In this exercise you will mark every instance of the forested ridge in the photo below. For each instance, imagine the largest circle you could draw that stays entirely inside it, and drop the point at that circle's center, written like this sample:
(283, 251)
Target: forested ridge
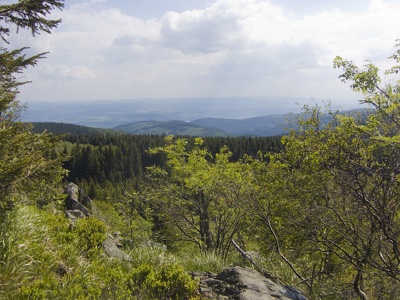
(316, 209)
(101, 159)
(63, 128)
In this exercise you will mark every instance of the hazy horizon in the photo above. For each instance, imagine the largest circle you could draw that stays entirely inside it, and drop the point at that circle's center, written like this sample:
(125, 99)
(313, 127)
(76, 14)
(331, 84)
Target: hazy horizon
(111, 113)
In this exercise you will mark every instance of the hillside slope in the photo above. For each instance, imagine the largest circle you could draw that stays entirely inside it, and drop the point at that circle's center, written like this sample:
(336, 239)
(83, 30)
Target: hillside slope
(258, 126)
(64, 128)
(171, 127)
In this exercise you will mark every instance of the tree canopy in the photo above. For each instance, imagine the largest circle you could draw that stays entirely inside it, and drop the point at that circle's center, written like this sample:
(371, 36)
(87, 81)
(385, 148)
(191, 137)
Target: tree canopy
(331, 202)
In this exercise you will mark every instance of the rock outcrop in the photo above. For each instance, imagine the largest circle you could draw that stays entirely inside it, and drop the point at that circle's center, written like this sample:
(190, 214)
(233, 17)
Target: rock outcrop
(78, 205)
(243, 284)
(76, 202)
(112, 247)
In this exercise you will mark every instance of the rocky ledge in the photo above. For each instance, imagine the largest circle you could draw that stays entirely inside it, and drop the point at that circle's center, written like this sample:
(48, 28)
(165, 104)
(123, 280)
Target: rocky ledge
(243, 284)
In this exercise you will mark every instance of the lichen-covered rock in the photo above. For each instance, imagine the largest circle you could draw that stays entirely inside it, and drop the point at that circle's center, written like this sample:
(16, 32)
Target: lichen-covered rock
(244, 284)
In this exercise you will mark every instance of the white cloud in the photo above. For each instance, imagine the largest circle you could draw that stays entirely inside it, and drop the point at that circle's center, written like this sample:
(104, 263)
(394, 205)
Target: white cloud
(230, 47)
(67, 72)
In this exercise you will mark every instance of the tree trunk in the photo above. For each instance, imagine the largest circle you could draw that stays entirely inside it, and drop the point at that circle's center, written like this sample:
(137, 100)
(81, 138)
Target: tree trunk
(205, 231)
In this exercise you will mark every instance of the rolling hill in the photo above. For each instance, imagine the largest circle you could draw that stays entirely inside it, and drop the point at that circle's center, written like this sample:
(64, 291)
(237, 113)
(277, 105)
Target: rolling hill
(258, 126)
(64, 128)
(270, 125)
(171, 127)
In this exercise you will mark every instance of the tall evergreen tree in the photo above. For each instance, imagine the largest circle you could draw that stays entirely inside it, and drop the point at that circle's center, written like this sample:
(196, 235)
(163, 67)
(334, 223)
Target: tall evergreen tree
(25, 162)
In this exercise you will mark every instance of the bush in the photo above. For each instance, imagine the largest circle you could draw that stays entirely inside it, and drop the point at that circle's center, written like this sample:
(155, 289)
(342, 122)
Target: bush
(91, 233)
(169, 281)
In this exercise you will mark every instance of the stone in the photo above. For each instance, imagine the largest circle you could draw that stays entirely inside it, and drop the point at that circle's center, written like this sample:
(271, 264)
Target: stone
(112, 249)
(74, 195)
(72, 190)
(244, 284)
(76, 204)
(86, 201)
(74, 214)
(63, 270)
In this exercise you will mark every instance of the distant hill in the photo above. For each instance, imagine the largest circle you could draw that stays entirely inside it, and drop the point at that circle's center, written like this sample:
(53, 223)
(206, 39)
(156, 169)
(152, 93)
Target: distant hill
(108, 114)
(271, 125)
(64, 128)
(171, 127)
(260, 126)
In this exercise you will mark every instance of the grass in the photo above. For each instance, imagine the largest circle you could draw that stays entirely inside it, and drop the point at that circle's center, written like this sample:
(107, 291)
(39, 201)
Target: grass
(41, 257)
(26, 249)
(34, 243)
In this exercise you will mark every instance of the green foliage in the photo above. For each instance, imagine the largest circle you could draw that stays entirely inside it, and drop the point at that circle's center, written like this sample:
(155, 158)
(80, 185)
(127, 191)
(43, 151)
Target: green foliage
(123, 217)
(42, 258)
(28, 252)
(168, 281)
(66, 128)
(323, 211)
(99, 279)
(26, 165)
(338, 197)
(202, 196)
(180, 128)
(29, 14)
(330, 201)
(91, 234)
(100, 161)
(203, 261)
(107, 212)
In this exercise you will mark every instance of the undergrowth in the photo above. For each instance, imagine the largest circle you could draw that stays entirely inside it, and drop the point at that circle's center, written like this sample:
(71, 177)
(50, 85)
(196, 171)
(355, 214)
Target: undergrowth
(43, 257)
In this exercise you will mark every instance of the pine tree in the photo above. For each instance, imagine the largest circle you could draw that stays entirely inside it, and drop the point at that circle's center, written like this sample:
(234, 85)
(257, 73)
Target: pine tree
(25, 164)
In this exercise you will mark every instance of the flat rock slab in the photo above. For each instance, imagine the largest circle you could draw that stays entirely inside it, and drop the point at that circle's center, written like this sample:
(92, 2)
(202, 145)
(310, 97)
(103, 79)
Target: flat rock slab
(244, 284)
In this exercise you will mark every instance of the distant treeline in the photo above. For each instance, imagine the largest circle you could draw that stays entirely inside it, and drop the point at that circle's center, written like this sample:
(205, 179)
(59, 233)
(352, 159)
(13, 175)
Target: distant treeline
(62, 128)
(112, 161)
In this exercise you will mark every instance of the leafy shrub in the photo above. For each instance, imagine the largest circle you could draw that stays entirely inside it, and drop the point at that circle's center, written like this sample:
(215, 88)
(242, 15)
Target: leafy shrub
(169, 281)
(99, 278)
(40, 288)
(105, 211)
(91, 233)
(129, 223)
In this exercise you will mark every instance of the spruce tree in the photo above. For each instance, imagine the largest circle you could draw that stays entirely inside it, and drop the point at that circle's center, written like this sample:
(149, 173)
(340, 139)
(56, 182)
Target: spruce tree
(26, 165)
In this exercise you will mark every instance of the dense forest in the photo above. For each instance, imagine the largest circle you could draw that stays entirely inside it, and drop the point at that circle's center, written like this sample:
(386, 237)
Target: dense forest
(97, 161)
(318, 208)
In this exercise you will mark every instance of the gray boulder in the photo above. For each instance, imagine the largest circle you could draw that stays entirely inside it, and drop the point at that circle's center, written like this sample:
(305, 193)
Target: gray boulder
(75, 199)
(74, 214)
(112, 247)
(244, 284)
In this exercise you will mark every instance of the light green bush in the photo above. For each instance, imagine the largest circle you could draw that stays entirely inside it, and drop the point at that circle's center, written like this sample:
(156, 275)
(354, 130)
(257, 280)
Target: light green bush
(169, 281)
(91, 233)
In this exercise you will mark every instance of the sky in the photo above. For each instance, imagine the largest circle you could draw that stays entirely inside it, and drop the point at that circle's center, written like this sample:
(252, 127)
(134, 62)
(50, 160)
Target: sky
(128, 49)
